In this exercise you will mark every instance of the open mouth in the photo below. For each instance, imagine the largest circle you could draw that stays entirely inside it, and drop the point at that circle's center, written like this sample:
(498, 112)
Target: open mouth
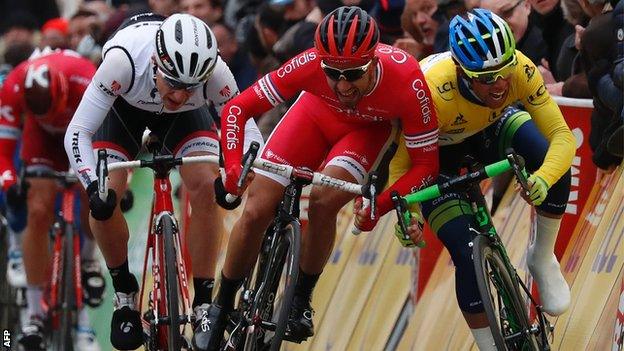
(348, 95)
(497, 96)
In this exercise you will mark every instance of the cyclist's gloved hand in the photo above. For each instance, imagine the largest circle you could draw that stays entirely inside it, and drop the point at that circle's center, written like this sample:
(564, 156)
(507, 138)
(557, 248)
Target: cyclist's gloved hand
(538, 189)
(16, 196)
(414, 231)
(363, 221)
(220, 195)
(101, 210)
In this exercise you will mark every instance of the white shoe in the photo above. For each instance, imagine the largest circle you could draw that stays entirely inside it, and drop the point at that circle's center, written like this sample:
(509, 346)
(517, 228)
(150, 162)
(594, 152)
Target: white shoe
(16, 275)
(553, 289)
(85, 340)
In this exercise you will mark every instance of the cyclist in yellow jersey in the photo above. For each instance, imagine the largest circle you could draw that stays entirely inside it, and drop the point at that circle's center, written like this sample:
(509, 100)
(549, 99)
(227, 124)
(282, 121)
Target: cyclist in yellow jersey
(474, 87)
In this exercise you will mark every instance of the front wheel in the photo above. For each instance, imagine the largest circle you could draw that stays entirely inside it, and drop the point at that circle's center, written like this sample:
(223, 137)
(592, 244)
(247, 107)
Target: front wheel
(276, 277)
(171, 282)
(504, 307)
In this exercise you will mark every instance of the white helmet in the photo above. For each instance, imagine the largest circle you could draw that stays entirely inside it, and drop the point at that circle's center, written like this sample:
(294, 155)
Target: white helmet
(186, 49)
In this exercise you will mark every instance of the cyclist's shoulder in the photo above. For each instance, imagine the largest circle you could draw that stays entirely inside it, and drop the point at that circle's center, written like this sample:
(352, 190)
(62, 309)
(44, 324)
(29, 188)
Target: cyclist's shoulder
(528, 85)
(136, 40)
(441, 76)
(397, 62)
(439, 67)
(526, 72)
(221, 86)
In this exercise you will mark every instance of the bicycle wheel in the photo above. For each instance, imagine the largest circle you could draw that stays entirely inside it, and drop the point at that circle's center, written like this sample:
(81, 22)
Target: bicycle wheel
(62, 339)
(503, 304)
(278, 269)
(171, 281)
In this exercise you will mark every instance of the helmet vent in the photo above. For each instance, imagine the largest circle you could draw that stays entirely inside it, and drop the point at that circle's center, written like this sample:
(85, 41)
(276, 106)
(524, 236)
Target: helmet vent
(194, 58)
(179, 62)
(178, 31)
(204, 68)
(208, 37)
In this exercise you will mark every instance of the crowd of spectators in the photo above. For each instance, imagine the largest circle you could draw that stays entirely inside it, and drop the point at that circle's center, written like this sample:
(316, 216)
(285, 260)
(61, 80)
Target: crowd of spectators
(577, 44)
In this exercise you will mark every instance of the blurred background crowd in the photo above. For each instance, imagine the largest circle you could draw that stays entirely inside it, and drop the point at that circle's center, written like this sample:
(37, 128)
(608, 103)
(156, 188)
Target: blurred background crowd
(577, 44)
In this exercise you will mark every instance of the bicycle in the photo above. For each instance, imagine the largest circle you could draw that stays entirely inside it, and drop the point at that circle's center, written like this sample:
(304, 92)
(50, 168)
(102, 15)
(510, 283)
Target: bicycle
(260, 320)
(502, 290)
(65, 289)
(165, 319)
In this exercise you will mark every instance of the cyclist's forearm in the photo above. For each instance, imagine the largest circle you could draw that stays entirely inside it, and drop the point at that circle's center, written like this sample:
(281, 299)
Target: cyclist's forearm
(78, 144)
(562, 144)
(234, 117)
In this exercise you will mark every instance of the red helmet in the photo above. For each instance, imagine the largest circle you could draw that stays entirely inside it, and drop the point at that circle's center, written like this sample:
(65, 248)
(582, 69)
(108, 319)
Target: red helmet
(45, 88)
(347, 33)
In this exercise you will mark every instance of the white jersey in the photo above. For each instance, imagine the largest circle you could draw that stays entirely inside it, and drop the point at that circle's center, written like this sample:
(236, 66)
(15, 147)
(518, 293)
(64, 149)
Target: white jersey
(128, 72)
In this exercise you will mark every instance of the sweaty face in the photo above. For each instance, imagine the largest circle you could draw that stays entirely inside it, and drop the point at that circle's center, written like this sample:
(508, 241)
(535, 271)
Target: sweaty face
(172, 98)
(351, 92)
(492, 95)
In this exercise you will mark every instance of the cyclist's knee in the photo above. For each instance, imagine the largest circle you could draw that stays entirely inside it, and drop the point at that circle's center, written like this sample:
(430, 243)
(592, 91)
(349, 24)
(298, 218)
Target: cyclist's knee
(326, 202)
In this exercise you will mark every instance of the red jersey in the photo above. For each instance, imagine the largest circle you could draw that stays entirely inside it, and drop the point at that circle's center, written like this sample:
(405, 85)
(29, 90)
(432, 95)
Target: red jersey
(400, 93)
(78, 72)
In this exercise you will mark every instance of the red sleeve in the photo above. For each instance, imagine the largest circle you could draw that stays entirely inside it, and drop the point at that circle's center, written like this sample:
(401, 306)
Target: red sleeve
(420, 129)
(269, 91)
(10, 124)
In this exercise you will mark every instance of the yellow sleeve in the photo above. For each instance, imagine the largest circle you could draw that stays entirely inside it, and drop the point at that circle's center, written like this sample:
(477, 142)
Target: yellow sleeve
(549, 120)
(400, 163)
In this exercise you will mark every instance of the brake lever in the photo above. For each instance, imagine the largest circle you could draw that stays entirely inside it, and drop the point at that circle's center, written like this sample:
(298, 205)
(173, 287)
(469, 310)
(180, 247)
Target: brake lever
(371, 195)
(403, 215)
(102, 173)
(517, 164)
(248, 160)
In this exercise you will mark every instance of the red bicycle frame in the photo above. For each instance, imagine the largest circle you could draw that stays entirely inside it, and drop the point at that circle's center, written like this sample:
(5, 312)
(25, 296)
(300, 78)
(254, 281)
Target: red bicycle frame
(163, 205)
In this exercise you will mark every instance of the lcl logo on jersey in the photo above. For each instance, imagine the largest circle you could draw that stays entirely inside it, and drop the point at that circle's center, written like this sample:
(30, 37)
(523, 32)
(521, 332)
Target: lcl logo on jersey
(37, 74)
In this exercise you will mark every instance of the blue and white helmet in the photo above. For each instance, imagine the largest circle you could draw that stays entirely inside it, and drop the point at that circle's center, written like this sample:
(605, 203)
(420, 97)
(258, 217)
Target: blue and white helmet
(481, 41)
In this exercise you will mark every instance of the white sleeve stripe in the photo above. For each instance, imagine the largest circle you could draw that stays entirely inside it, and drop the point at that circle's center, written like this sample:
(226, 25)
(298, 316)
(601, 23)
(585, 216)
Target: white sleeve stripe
(7, 132)
(269, 91)
(273, 89)
(418, 144)
(421, 136)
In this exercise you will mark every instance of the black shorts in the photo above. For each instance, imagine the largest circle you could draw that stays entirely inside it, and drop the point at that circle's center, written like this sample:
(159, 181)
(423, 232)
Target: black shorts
(180, 133)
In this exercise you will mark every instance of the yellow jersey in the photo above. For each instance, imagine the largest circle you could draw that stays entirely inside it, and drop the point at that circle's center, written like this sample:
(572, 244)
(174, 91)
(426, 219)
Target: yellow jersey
(460, 117)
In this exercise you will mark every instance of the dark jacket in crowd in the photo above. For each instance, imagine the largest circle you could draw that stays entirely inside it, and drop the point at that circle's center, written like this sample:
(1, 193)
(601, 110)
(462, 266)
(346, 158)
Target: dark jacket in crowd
(555, 30)
(599, 53)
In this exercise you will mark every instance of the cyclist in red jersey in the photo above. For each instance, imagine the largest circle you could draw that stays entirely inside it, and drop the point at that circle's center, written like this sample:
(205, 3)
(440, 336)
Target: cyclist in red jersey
(351, 90)
(45, 90)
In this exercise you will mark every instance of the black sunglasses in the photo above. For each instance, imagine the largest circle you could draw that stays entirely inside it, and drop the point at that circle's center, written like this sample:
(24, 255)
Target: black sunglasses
(176, 85)
(349, 74)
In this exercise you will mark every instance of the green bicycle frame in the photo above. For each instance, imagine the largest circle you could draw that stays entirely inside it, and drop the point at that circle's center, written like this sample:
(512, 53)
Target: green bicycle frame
(469, 183)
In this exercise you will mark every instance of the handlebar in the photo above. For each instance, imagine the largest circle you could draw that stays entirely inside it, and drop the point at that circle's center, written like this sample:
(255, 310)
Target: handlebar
(512, 162)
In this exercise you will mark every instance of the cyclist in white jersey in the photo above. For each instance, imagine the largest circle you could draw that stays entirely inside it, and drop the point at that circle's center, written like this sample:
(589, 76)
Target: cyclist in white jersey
(163, 74)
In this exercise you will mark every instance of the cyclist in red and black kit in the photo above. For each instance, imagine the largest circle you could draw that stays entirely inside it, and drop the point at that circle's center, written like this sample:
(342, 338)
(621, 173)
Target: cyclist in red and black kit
(45, 90)
(351, 90)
